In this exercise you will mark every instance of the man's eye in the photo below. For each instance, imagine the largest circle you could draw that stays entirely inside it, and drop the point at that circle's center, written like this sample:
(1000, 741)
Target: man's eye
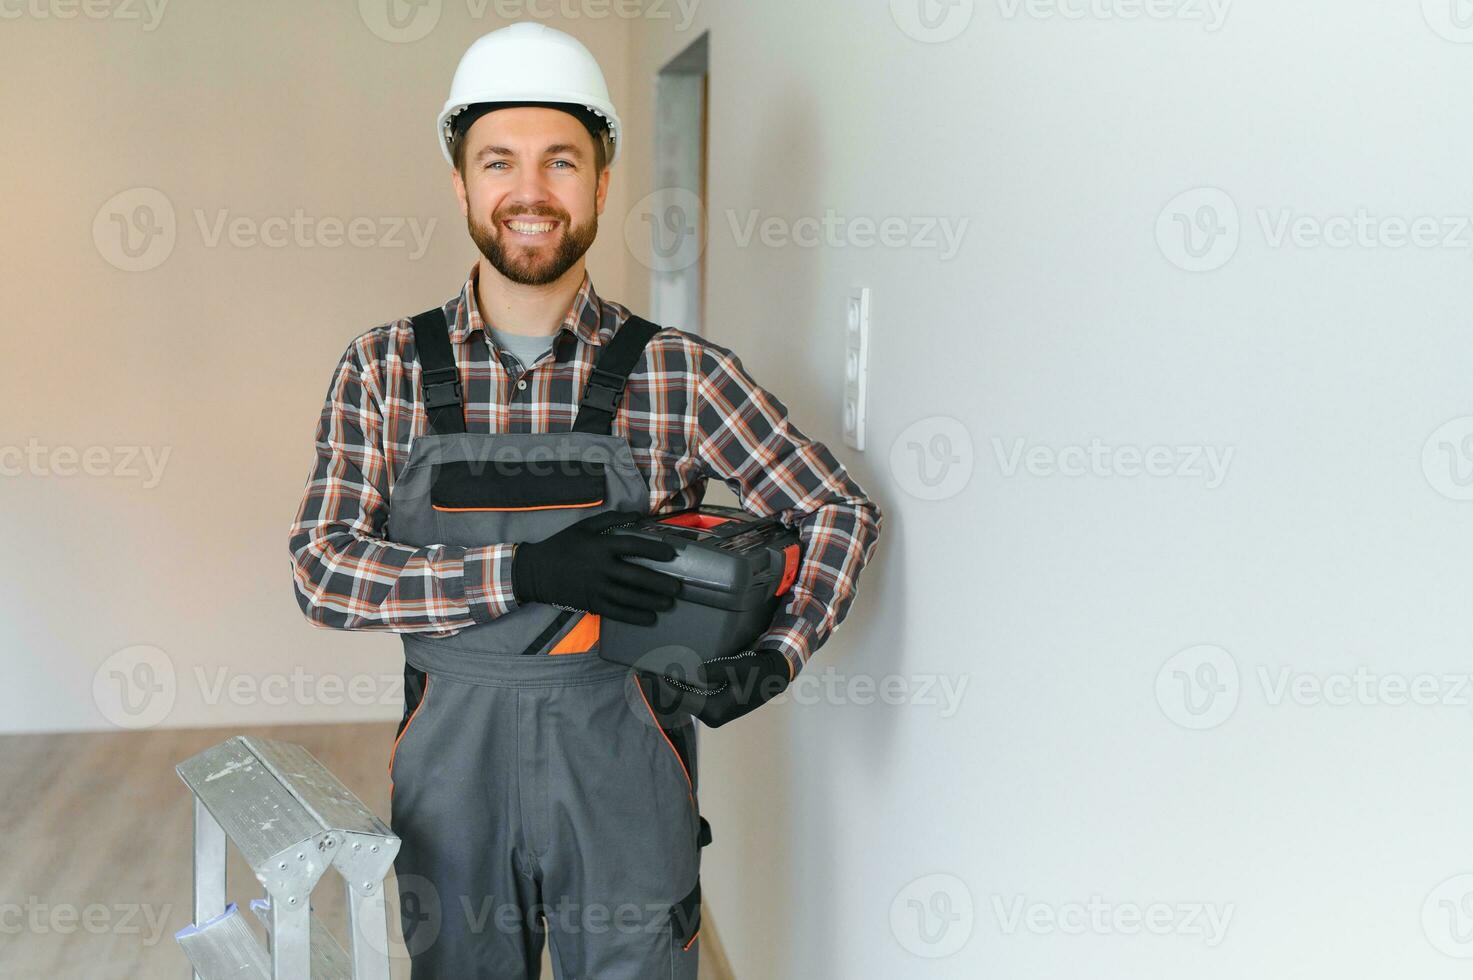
(568, 162)
(495, 163)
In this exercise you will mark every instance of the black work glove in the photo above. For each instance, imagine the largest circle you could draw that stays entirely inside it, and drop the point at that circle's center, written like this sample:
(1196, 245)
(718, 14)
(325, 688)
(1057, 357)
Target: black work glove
(732, 686)
(582, 567)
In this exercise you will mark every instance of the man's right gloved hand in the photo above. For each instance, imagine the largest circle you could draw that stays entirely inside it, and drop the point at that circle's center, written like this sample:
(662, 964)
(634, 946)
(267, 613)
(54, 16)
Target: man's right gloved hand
(583, 567)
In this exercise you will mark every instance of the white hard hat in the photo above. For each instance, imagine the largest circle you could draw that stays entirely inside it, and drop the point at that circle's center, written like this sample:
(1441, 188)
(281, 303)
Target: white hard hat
(528, 62)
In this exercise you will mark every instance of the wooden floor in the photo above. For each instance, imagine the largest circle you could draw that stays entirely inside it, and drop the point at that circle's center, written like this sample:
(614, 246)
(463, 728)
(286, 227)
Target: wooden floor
(95, 854)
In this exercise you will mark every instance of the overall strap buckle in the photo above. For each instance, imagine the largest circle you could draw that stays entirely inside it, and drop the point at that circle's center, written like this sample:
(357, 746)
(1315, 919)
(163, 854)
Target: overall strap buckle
(604, 390)
(439, 378)
(441, 388)
(610, 374)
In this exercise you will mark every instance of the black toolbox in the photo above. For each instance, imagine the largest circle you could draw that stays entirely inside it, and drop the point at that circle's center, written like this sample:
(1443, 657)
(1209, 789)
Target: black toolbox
(734, 569)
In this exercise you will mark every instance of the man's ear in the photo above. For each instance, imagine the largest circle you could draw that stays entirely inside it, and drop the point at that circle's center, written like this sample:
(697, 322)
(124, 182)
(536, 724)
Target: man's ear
(603, 190)
(459, 183)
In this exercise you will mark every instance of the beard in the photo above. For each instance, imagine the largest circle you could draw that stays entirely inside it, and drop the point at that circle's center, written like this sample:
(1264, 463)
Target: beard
(529, 265)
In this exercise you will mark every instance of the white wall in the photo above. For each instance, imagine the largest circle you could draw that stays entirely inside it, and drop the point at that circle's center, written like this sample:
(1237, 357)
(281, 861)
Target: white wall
(1321, 830)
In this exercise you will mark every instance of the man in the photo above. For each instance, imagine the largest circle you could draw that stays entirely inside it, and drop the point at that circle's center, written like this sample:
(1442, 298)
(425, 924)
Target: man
(473, 466)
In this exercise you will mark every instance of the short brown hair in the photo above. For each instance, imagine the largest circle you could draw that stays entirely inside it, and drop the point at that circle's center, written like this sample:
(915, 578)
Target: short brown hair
(597, 126)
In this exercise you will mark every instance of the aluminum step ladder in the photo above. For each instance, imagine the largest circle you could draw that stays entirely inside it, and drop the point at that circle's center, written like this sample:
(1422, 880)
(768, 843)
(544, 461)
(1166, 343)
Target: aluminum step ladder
(291, 819)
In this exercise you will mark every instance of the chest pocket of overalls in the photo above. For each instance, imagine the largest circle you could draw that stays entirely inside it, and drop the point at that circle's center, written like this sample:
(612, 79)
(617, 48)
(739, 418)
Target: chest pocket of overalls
(476, 489)
(508, 486)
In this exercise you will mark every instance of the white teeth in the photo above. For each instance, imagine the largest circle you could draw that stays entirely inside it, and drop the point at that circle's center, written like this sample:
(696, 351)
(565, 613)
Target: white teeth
(531, 228)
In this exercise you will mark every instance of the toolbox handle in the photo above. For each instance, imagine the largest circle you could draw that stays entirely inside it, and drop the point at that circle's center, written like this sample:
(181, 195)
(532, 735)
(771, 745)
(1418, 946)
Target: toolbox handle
(729, 528)
(732, 528)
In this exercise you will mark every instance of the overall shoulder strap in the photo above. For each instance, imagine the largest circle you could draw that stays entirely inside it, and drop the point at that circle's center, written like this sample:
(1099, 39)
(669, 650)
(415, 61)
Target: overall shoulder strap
(610, 372)
(439, 379)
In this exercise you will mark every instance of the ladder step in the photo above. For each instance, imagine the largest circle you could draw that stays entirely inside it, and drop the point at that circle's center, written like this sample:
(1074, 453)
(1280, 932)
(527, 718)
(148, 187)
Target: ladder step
(224, 948)
(329, 960)
(272, 796)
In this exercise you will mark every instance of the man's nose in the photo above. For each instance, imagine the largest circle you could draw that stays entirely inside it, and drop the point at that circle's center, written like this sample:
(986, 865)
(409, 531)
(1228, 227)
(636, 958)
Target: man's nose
(531, 187)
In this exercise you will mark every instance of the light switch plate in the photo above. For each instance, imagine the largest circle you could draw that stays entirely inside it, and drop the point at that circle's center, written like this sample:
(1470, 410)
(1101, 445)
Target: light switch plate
(856, 365)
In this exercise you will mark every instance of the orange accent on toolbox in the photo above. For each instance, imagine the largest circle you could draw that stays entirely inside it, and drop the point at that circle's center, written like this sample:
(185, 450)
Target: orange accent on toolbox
(579, 639)
(462, 510)
(701, 522)
(424, 696)
(790, 569)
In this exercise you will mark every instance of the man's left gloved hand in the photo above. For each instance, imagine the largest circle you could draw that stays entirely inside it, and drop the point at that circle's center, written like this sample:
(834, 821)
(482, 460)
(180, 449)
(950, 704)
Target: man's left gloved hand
(729, 687)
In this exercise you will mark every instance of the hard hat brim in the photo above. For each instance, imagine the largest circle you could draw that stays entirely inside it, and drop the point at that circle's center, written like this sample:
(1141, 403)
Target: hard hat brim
(529, 95)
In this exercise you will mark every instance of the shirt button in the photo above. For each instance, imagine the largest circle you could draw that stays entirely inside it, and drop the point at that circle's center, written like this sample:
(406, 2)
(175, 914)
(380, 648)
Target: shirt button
(522, 385)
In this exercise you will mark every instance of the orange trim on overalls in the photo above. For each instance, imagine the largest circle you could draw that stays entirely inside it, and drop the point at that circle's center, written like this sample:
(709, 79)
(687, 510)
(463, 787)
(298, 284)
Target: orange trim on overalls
(659, 728)
(425, 696)
(579, 639)
(464, 510)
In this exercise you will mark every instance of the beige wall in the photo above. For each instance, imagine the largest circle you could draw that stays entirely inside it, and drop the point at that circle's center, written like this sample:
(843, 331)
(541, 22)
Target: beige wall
(219, 354)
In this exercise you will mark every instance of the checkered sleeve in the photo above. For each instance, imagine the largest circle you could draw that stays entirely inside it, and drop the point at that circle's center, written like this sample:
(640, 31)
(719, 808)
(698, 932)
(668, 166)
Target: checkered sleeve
(747, 441)
(347, 575)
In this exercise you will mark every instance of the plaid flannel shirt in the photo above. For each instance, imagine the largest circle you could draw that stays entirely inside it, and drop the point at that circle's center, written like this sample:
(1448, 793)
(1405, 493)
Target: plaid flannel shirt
(690, 412)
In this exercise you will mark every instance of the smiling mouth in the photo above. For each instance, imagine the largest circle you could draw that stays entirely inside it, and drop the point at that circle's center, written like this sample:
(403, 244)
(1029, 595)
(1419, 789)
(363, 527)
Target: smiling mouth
(530, 227)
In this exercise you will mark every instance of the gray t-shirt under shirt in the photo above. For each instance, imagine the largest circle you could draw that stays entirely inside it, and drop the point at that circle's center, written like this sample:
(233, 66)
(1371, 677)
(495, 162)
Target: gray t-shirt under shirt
(521, 346)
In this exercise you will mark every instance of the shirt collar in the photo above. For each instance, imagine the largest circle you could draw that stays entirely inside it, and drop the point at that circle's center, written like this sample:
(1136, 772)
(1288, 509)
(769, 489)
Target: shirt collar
(584, 318)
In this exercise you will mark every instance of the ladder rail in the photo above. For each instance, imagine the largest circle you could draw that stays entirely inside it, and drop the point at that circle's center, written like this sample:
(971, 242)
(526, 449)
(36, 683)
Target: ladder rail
(291, 819)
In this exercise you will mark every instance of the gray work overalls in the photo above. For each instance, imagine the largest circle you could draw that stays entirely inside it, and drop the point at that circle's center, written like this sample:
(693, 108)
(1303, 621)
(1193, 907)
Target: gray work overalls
(538, 793)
